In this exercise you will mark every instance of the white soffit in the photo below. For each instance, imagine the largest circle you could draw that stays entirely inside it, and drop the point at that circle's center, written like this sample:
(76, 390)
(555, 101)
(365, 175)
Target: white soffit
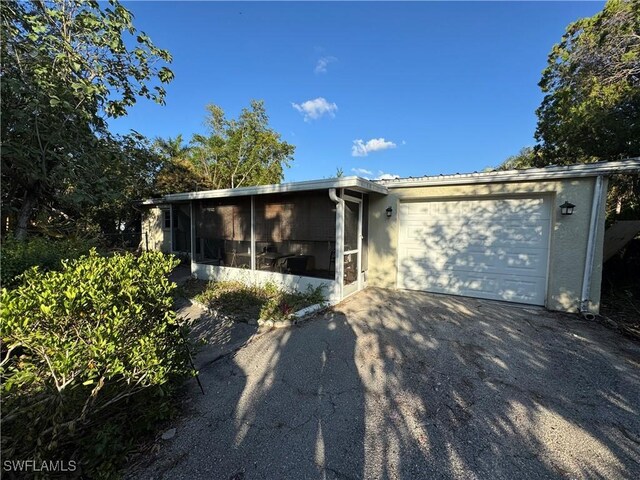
(354, 183)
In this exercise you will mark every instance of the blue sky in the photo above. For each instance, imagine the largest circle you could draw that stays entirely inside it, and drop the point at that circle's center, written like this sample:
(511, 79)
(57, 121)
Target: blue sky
(406, 89)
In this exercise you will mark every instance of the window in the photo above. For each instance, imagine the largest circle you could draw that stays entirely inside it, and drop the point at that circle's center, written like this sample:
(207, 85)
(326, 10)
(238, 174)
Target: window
(166, 219)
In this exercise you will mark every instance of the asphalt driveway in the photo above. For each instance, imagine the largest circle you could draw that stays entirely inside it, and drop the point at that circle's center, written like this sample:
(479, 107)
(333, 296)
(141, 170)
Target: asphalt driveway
(397, 384)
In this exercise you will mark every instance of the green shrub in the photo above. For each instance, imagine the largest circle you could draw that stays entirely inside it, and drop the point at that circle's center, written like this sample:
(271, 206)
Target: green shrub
(90, 357)
(19, 256)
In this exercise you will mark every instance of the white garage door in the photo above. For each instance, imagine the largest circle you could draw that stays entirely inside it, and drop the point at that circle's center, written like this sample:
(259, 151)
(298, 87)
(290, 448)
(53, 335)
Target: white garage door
(493, 248)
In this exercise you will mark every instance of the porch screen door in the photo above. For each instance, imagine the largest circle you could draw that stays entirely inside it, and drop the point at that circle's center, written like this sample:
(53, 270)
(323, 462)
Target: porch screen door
(352, 245)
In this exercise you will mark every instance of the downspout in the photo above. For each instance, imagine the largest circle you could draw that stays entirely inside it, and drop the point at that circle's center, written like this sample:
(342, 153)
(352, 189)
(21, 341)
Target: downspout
(591, 250)
(339, 267)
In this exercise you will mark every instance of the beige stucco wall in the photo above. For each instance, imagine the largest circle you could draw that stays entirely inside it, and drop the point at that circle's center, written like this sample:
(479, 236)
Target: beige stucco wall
(157, 237)
(569, 234)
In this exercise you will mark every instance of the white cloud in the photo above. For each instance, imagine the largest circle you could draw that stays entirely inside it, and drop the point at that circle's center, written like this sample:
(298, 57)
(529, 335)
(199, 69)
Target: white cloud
(362, 149)
(368, 174)
(363, 172)
(316, 108)
(323, 63)
(386, 176)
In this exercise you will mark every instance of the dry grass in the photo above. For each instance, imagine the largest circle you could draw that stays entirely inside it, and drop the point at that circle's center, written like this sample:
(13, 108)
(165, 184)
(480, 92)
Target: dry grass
(248, 303)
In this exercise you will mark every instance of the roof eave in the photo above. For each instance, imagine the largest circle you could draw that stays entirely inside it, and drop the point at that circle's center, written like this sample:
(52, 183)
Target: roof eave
(533, 174)
(354, 183)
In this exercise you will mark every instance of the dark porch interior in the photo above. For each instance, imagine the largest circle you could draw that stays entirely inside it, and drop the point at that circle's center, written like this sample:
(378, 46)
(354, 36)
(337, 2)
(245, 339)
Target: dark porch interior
(294, 233)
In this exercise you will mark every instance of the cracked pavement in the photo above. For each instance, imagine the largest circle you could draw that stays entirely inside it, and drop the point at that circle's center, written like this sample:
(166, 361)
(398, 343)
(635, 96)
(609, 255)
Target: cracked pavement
(398, 384)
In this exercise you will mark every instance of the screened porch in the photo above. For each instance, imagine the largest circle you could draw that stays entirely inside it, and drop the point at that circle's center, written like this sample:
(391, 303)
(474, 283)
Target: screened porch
(282, 233)
(299, 235)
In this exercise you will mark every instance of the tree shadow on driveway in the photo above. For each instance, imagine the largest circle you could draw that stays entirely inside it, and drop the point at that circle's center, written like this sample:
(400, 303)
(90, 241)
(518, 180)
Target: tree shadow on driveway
(287, 405)
(467, 388)
(399, 384)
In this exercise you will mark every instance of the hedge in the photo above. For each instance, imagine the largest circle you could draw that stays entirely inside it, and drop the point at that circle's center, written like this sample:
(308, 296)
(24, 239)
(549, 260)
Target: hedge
(46, 253)
(90, 358)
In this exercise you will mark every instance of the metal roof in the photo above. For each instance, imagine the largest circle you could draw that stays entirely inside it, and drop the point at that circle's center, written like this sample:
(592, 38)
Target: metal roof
(631, 165)
(353, 183)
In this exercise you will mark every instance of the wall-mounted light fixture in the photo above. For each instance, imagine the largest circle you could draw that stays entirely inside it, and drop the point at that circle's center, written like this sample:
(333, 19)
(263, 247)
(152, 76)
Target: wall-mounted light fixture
(567, 208)
(389, 212)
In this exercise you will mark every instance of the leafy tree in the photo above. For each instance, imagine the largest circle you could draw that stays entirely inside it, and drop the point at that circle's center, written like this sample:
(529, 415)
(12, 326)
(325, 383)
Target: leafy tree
(178, 172)
(623, 200)
(525, 158)
(242, 152)
(591, 108)
(592, 89)
(180, 175)
(233, 153)
(171, 148)
(102, 199)
(67, 66)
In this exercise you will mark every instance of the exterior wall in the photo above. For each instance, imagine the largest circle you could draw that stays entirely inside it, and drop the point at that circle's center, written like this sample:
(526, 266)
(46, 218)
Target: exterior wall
(569, 234)
(258, 277)
(153, 232)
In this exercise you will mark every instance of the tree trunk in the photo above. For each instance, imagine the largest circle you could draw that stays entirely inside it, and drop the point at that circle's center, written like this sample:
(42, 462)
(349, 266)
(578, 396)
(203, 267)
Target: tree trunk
(28, 205)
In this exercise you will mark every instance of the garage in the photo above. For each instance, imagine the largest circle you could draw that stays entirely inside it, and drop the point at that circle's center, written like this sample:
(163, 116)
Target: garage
(494, 248)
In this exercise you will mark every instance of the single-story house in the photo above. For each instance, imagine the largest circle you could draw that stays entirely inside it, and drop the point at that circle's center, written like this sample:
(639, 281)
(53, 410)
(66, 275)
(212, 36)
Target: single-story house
(531, 236)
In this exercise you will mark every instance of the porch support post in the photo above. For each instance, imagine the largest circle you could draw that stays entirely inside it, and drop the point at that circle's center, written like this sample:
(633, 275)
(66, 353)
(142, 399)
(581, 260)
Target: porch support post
(171, 228)
(192, 217)
(253, 233)
(339, 268)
